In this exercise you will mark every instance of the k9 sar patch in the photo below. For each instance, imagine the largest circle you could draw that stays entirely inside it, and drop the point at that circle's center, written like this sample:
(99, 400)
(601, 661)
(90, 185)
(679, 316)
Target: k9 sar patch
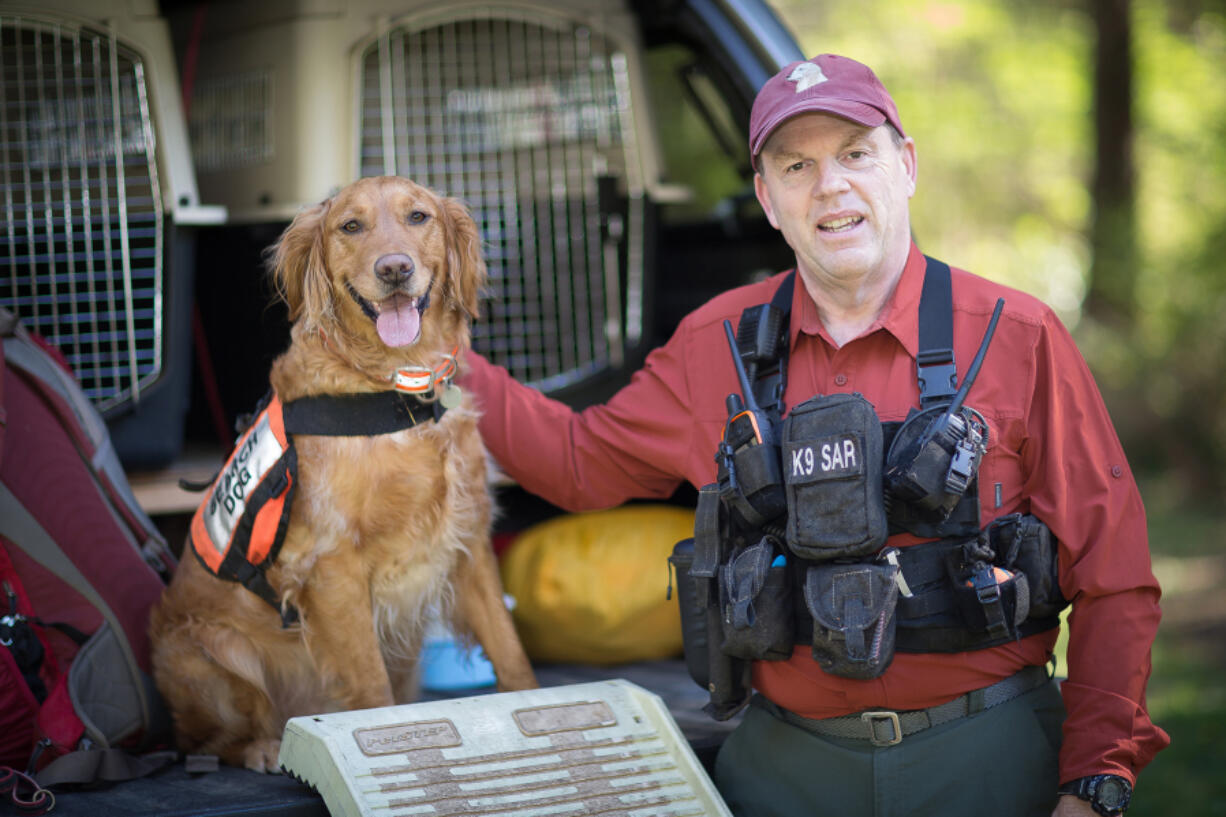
(839, 456)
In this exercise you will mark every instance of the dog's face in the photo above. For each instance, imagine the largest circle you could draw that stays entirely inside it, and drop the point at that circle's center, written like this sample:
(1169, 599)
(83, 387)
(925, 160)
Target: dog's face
(376, 257)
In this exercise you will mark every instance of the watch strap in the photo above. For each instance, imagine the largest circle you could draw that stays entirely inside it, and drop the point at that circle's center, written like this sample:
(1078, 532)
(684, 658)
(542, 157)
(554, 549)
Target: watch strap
(1078, 788)
(1088, 789)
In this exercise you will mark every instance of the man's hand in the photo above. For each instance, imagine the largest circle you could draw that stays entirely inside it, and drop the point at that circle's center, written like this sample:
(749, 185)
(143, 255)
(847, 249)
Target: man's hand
(1072, 806)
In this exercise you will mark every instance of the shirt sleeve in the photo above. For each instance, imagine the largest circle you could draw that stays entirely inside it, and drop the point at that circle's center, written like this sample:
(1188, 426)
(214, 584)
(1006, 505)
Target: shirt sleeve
(1079, 483)
(633, 446)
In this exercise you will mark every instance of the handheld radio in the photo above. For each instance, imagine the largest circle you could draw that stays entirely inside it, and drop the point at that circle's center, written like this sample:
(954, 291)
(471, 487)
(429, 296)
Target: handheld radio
(750, 476)
(931, 466)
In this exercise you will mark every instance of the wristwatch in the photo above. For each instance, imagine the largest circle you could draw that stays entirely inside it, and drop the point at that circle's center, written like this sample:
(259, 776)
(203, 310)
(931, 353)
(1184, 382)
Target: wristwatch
(1108, 794)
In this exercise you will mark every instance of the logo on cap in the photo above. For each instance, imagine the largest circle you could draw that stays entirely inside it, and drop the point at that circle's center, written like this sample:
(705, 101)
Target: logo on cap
(806, 75)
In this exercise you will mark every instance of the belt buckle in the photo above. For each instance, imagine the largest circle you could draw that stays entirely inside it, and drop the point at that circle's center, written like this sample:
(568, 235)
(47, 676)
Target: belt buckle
(871, 718)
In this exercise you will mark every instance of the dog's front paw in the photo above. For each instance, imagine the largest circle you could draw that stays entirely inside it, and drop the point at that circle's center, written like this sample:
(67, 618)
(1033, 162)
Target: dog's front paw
(261, 756)
(517, 680)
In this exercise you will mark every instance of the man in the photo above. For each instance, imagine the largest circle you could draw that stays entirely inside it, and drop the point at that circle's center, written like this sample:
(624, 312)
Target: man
(835, 172)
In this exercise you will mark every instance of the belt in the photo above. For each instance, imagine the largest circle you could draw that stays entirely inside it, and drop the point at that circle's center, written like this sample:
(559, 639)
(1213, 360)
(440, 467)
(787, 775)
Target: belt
(887, 727)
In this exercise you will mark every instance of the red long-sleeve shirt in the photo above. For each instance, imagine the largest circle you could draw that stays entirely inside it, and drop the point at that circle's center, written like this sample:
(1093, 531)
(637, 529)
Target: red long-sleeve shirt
(1052, 452)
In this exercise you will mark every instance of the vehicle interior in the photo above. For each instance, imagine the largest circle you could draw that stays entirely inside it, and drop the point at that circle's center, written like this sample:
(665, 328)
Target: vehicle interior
(151, 152)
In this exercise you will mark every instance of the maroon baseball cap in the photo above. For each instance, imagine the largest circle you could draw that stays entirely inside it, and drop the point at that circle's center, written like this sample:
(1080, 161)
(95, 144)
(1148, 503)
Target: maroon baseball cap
(825, 84)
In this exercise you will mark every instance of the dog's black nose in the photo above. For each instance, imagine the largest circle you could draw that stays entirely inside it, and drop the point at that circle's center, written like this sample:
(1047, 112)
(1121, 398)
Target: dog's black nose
(394, 268)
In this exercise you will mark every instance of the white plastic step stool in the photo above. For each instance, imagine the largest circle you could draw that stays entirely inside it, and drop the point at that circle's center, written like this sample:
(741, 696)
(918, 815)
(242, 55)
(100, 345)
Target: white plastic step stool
(605, 748)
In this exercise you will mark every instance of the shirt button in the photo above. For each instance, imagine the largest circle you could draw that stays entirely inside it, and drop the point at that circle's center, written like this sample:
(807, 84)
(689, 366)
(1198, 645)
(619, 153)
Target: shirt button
(840, 380)
(1117, 471)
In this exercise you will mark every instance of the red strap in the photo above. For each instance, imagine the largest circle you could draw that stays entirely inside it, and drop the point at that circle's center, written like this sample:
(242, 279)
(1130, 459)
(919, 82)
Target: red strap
(24, 792)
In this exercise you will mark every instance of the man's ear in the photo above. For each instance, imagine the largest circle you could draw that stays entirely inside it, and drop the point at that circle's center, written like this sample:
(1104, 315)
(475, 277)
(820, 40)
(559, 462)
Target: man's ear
(911, 163)
(759, 189)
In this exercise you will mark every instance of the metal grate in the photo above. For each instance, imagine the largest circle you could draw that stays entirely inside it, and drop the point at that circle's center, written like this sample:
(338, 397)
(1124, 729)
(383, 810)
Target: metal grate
(231, 122)
(529, 121)
(81, 246)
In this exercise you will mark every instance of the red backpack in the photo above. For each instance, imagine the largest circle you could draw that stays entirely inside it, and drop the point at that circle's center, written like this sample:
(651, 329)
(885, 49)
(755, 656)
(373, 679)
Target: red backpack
(80, 567)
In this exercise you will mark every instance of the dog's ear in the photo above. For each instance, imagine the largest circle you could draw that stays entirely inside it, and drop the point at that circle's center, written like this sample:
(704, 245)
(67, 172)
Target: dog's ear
(466, 274)
(296, 265)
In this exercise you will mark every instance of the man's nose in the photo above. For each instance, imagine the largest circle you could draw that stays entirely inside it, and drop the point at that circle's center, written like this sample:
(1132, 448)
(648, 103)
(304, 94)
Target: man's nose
(831, 178)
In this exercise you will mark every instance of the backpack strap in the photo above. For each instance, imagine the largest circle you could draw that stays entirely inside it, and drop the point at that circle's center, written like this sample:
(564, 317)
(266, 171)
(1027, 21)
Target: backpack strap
(24, 792)
(102, 765)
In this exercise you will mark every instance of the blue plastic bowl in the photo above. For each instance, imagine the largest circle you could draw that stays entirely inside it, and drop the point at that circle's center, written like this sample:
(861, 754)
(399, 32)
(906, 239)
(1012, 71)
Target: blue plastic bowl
(447, 664)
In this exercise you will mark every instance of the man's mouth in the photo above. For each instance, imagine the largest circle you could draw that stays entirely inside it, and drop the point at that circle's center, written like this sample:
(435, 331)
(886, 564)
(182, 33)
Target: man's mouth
(840, 225)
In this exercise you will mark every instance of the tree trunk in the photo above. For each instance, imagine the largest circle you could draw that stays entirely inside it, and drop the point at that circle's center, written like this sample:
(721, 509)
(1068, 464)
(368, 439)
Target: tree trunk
(1111, 296)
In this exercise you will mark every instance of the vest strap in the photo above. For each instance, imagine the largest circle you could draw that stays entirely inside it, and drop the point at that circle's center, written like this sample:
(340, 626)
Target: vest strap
(358, 415)
(935, 369)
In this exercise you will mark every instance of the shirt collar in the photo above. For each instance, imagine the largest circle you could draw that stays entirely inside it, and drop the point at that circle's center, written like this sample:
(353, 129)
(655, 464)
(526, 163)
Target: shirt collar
(900, 317)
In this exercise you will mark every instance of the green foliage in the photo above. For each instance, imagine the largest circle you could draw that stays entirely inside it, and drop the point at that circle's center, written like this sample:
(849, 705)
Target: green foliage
(1187, 699)
(1187, 696)
(997, 95)
(1181, 146)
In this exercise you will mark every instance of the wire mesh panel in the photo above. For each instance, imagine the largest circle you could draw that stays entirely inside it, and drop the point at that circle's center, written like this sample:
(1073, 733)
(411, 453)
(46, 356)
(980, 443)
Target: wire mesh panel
(81, 243)
(529, 122)
(231, 122)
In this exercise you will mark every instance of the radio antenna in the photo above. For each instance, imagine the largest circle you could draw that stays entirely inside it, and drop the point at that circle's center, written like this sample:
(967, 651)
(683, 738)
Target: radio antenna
(973, 371)
(750, 401)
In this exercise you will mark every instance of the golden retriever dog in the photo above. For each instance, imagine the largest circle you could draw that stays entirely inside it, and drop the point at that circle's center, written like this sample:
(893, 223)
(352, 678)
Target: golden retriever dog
(383, 529)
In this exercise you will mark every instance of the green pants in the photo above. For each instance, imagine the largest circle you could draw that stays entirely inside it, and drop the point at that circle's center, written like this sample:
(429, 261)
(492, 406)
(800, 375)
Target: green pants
(999, 761)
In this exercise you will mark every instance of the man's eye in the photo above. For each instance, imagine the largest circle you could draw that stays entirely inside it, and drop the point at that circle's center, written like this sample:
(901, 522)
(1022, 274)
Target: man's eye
(796, 167)
(417, 217)
(351, 226)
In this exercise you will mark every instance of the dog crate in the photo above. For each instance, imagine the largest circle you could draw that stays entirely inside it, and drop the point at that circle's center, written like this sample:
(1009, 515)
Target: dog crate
(96, 187)
(529, 118)
(532, 114)
(539, 114)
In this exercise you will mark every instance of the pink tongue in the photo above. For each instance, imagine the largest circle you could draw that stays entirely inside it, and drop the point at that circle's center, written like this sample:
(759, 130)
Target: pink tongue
(399, 322)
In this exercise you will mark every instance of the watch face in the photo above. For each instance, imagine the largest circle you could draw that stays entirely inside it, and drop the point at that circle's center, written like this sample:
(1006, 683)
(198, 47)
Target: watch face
(1112, 793)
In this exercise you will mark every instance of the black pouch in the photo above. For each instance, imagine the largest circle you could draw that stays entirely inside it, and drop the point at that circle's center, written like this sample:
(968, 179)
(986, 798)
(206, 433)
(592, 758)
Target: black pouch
(693, 614)
(697, 568)
(726, 679)
(729, 681)
(993, 600)
(753, 487)
(710, 537)
(853, 608)
(832, 469)
(1022, 542)
(755, 594)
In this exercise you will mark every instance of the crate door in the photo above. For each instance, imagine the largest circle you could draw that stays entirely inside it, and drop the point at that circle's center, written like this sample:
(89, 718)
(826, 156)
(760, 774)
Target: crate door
(81, 239)
(531, 123)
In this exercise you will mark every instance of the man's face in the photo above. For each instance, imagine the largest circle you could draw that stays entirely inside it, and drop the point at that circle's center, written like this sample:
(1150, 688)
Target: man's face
(839, 194)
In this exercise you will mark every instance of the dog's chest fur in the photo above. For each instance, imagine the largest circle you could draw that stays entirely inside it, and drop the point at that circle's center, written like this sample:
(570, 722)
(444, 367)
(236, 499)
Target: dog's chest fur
(407, 505)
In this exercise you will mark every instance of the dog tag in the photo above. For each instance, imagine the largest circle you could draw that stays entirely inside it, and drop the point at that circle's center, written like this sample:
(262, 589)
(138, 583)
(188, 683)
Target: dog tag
(451, 396)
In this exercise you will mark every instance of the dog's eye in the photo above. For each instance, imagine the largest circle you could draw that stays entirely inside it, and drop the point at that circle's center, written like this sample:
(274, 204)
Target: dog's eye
(417, 217)
(351, 226)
